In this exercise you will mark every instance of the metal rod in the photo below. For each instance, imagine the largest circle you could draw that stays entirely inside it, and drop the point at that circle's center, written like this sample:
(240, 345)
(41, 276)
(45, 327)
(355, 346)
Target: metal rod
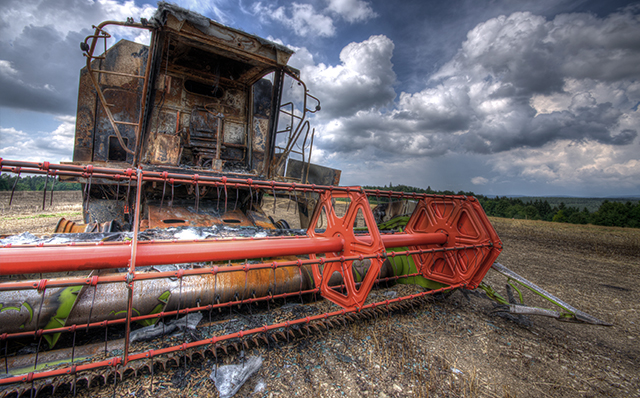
(132, 265)
(22, 260)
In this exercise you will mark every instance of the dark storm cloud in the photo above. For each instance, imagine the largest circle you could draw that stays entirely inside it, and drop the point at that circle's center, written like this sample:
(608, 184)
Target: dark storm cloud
(41, 70)
(40, 57)
(484, 99)
(595, 123)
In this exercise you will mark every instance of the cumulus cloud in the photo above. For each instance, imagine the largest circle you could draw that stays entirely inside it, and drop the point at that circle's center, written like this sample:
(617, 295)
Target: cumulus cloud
(510, 63)
(352, 10)
(24, 86)
(479, 180)
(301, 18)
(572, 165)
(362, 81)
(540, 99)
(306, 20)
(64, 16)
(56, 145)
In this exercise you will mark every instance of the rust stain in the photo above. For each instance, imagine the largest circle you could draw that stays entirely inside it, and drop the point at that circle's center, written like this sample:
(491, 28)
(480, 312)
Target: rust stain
(187, 217)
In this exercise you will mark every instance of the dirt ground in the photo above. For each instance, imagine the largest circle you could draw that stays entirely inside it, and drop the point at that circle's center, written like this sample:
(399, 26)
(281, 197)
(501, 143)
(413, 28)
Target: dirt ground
(457, 345)
(26, 214)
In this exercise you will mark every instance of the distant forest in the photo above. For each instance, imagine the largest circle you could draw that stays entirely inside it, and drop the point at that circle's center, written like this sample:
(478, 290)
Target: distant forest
(613, 212)
(35, 183)
(607, 212)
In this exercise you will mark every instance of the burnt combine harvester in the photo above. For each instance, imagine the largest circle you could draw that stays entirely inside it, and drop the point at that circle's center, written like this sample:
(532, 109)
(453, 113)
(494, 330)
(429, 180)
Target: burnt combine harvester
(180, 146)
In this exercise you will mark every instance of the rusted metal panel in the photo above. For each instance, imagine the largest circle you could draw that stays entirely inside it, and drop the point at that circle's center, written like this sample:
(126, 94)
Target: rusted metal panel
(259, 142)
(318, 175)
(95, 136)
(257, 162)
(260, 219)
(260, 134)
(166, 121)
(235, 103)
(173, 89)
(233, 154)
(85, 119)
(185, 216)
(125, 57)
(165, 149)
(232, 104)
(203, 131)
(235, 41)
(234, 133)
(126, 108)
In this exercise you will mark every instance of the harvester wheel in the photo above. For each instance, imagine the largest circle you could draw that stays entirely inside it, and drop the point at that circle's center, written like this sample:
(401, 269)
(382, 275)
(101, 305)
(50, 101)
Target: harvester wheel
(354, 246)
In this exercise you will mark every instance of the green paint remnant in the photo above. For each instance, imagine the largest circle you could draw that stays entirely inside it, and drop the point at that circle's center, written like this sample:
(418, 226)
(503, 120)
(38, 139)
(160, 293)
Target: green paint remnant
(403, 265)
(18, 309)
(9, 308)
(43, 365)
(67, 300)
(164, 300)
(28, 307)
(358, 276)
(124, 312)
(492, 294)
(513, 285)
(396, 223)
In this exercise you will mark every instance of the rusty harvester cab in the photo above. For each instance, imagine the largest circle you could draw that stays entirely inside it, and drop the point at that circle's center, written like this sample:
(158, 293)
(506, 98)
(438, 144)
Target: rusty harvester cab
(202, 99)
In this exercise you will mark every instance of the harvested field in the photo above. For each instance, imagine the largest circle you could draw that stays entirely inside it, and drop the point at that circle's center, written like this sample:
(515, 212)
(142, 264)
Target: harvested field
(26, 214)
(456, 345)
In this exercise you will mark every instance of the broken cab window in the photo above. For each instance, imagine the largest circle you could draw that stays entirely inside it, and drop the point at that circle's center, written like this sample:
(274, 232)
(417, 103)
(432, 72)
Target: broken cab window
(207, 89)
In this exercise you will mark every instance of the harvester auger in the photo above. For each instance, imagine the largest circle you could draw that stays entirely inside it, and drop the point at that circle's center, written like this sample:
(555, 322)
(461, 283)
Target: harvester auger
(179, 145)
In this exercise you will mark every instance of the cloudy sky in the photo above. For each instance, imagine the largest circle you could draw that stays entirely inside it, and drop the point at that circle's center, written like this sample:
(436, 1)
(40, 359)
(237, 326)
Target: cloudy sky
(501, 97)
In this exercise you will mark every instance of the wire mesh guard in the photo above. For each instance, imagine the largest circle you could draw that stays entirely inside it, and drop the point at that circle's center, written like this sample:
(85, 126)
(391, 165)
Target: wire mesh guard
(448, 237)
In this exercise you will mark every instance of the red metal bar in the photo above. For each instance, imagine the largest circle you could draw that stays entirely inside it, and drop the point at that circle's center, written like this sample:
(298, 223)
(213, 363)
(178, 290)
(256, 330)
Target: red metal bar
(19, 260)
(27, 260)
(132, 263)
(403, 240)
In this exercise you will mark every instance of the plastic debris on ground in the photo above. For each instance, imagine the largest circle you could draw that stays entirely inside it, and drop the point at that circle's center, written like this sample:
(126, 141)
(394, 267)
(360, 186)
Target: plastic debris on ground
(159, 329)
(260, 386)
(229, 378)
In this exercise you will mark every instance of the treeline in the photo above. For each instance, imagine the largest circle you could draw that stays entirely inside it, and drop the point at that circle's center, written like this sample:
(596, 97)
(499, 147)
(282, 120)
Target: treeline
(35, 183)
(609, 213)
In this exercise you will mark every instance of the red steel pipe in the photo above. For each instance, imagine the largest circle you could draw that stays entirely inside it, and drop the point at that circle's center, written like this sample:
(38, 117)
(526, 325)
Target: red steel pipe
(403, 240)
(28, 260)
(18, 260)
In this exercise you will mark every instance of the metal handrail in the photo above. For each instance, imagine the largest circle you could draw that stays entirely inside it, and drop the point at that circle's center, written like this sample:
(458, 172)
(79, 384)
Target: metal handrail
(89, 49)
(302, 123)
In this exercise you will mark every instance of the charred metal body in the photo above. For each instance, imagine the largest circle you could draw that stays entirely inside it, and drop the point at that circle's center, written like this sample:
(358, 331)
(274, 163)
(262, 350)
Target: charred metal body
(201, 99)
